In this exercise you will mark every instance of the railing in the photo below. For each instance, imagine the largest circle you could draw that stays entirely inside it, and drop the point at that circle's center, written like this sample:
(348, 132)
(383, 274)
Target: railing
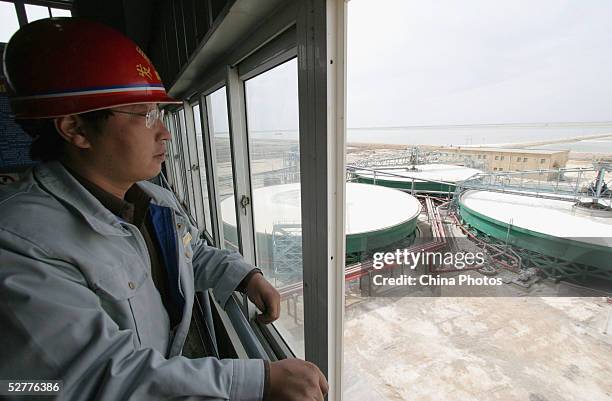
(376, 174)
(568, 184)
(415, 156)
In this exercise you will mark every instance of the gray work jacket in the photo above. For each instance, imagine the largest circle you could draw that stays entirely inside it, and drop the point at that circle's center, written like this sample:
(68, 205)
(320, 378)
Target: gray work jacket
(78, 304)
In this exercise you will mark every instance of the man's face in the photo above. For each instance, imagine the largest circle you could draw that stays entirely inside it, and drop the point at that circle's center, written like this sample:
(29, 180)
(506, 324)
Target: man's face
(126, 149)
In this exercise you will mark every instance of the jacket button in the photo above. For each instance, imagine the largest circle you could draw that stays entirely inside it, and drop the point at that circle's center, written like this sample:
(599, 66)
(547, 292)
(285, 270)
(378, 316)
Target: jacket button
(131, 285)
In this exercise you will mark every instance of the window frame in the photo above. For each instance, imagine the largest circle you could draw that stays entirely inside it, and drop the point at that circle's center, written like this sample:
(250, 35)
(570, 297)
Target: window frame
(320, 34)
(194, 167)
(322, 93)
(177, 158)
(205, 164)
(260, 64)
(210, 159)
(169, 165)
(186, 156)
(219, 216)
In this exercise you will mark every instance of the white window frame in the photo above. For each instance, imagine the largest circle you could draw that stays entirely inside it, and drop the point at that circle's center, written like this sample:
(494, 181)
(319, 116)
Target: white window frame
(213, 160)
(207, 164)
(236, 108)
(186, 153)
(176, 157)
(169, 155)
(211, 157)
(194, 167)
(321, 36)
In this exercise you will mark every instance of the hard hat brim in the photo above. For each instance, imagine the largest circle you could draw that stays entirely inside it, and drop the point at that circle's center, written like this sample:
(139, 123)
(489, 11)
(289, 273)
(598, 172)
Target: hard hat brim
(60, 105)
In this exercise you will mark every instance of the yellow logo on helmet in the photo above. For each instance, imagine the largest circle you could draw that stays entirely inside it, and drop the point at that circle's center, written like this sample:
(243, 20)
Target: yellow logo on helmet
(144, 71)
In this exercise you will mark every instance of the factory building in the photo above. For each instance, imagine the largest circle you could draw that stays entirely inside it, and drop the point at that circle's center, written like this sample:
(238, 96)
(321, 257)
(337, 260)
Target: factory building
(507, 159)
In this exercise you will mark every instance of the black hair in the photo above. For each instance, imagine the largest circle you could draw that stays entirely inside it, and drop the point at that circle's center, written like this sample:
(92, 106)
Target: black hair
(47, 144)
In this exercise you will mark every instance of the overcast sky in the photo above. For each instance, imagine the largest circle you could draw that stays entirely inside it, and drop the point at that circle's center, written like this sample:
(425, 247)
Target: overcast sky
(478, 61)
(434, 62)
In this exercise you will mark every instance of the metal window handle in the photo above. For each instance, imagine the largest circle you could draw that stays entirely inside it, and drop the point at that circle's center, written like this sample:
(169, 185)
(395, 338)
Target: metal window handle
(244, 202)
(195, 167)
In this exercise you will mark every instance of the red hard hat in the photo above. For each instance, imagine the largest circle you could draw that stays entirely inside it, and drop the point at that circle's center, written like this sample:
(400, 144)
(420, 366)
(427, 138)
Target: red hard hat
(60, 66)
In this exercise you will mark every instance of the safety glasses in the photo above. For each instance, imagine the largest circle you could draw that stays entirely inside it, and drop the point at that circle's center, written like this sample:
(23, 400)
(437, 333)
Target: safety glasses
(150, 116)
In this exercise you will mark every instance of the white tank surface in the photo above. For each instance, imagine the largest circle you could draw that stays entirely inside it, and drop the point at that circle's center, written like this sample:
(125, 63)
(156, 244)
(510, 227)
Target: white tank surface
(374, 214)
(438, 172)
(546, 216)
(551, 227)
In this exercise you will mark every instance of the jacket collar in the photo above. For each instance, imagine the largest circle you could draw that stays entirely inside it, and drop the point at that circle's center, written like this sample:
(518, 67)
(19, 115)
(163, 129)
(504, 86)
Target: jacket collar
(54, 177)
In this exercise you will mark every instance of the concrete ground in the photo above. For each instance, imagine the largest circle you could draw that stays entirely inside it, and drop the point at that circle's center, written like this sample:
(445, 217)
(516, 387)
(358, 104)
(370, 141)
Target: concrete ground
(447, 349)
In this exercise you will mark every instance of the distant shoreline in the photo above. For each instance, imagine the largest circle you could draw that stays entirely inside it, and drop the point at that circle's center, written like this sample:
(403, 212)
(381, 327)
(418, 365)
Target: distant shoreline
(493, 125)
(353, 147)
(541, 143)
(516, 145)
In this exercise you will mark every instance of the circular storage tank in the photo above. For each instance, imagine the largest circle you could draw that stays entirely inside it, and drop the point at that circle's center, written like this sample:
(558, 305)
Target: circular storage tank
(375, 217)
(551, 227)
(418, 173)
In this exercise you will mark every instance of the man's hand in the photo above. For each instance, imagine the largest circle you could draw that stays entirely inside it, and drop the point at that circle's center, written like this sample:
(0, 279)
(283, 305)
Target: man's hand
(265, 297)
(296, 380)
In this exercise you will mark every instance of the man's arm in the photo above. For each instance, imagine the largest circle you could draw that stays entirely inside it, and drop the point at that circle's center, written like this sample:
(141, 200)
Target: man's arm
(53, 327)
(226, 271)
(219, 269)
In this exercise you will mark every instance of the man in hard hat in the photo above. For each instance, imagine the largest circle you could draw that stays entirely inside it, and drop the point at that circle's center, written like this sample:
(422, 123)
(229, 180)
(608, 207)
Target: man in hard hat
(98, 267)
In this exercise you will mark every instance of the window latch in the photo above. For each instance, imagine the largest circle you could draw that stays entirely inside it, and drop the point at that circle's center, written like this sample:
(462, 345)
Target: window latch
(244, 202)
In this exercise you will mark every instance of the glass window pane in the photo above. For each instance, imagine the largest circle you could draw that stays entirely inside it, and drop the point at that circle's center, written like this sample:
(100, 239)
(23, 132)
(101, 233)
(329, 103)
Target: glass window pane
(202, 163)
(219, 128)
(527, 81)
(177, 160)
(58, 12)
(9, 24)
(169, 167)
(274, 153)
(194, 174)
(180, 163)
(187, 161)
(169, 154)
(36, 12)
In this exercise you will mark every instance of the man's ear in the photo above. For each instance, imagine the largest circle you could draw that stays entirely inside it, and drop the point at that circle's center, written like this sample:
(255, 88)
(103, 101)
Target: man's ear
(71, 129)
